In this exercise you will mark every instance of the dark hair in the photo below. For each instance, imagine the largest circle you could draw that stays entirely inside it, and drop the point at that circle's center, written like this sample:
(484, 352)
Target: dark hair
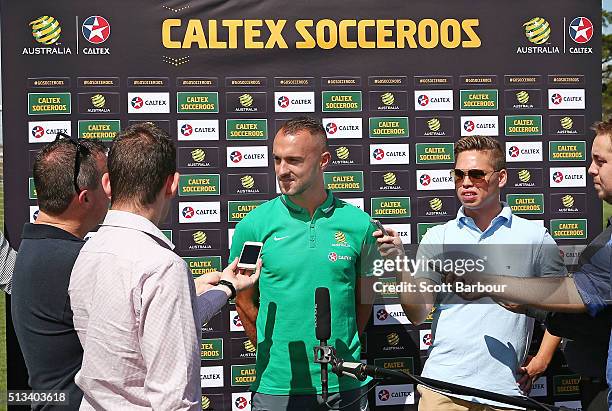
(314, 127)
(139, 162)
(483, 143)
(603, 128)
(53, 173)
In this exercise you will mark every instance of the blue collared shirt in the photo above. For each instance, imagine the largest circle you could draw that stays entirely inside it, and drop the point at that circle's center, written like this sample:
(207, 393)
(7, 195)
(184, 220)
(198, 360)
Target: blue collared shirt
(593, 281)
(482, 345)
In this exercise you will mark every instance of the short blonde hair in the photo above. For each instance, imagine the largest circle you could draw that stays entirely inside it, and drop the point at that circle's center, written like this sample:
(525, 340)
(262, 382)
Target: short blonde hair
(483, 143)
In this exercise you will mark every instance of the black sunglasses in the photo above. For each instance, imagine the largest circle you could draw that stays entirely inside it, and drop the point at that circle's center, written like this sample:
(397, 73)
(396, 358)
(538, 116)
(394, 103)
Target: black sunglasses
(81, 150)
(475, 174)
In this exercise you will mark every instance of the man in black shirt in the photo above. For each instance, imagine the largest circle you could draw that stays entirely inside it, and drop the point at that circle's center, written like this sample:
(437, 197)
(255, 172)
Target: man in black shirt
(72, 202)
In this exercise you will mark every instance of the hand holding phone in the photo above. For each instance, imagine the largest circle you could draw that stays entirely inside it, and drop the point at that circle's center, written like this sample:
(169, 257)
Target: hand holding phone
(388, 243)
(251, 251)
(379, 225)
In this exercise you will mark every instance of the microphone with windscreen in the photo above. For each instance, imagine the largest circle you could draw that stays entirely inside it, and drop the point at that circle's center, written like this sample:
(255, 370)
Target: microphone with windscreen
(323, 333)
(322, 314)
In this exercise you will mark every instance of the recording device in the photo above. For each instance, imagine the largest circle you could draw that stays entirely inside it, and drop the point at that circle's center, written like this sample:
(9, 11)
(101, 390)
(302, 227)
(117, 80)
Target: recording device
(324, 355)
(323, 333)
(379, 225)
(249, 255)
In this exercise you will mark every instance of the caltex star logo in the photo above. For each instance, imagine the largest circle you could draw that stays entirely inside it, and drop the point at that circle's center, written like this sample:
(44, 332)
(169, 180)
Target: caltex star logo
(557, 177)
(331, 128)
(423, 100)
(96, 29)
(469, 126)
(237, 321)
(236, 156)
(581, 30)
(513, 151)
(38, 132)
(427, 339)
(137, 102)
(556, 98)
(241, 403)
(188, 212)
(186, 130)
(283, 101)
(425, 179)
(332, 256)
(378, 154)
(35, 215)
(383, 395)
(382, 314)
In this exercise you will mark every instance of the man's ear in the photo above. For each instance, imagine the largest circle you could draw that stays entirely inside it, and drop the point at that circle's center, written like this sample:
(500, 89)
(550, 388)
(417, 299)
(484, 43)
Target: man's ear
(106, 185)
(503, 177)
(325, 159)
(172, 183)
(83, 197)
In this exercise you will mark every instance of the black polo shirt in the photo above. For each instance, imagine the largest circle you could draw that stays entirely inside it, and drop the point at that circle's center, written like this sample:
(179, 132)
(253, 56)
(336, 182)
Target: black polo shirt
(41, 310)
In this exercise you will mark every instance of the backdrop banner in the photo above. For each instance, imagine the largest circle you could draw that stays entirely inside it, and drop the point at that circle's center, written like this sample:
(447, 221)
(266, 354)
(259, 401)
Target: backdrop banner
(395, 84)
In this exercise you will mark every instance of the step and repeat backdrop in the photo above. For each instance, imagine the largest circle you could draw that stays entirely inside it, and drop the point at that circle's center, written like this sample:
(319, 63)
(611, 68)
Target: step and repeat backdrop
(394, 86)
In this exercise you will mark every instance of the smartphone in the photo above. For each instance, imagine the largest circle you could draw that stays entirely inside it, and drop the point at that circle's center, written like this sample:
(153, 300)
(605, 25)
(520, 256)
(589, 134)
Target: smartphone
(249, 255)
(379, 226)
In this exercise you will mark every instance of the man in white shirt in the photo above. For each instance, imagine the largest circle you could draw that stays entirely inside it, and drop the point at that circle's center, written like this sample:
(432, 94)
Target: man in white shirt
(135, 305)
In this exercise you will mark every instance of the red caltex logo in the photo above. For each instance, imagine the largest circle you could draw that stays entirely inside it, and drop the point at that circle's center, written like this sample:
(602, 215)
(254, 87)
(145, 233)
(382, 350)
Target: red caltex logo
(332, 256)
(382, 314)
(188, 212)
(283, 101)
(468, 126)
(556, 98)
(425, 179)
(137, 102)
(557, 176)
(384, 395)
(38, 132)
(513, 151)
(237, 321)
(241, 403)
(331, 128)
(427, 339)
(236, 156)
(186, 130)
(96, 29)
(423, 100)
(378, 154)
(581, 30)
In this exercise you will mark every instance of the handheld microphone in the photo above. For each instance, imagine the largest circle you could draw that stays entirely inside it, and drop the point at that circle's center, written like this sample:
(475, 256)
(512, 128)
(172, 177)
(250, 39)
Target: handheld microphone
(323, 331)
(354, 370)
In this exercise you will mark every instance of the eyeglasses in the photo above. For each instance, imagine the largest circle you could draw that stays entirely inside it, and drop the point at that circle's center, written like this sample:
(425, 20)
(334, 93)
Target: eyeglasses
(81, 150)
(475, 174)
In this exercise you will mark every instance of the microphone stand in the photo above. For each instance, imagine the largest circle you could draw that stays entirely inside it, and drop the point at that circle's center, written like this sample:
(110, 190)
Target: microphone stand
(324, 354)
(327, 355)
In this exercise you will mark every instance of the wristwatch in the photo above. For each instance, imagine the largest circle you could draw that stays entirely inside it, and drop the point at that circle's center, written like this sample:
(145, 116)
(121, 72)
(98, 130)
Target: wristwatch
(230, 286)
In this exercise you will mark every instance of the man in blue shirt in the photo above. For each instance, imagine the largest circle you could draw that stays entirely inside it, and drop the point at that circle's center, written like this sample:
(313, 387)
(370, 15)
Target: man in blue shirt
(589, 289)
(482, 346)
(67, 176)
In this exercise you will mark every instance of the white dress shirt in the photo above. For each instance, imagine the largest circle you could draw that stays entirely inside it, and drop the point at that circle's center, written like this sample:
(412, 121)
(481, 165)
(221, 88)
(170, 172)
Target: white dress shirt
(138, 319)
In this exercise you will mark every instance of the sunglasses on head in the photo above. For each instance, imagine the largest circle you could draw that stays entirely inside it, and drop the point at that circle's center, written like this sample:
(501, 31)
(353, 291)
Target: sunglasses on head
(81, 150)
(474, 174)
